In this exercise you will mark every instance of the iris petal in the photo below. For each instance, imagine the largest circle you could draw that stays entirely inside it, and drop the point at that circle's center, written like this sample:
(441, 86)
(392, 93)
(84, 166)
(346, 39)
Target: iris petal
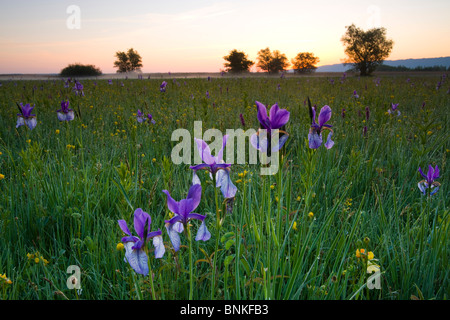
(203, 233)
(173, 236)
(324, 115)
(171, 204)
(329, 144)
(123, 225)
(315, 140)
(158, 243)
(137, 259)
(278, 117)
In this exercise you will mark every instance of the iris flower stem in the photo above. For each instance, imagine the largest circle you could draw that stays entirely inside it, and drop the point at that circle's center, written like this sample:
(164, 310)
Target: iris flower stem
(151, 275)
(424, 223)
(216, 248)
(191, 267)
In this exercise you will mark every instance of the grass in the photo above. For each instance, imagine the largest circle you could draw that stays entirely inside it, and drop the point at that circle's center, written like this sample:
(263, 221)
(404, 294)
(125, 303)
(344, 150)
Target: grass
(63, 191)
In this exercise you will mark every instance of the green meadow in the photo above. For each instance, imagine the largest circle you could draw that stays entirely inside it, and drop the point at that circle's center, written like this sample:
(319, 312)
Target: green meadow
(319, 228)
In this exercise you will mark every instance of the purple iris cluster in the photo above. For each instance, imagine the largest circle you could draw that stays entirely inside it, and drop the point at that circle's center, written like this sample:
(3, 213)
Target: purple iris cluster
(141, 117)
(185, 211)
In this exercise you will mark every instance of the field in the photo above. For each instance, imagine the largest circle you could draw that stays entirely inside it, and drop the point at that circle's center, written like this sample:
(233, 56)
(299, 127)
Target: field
(317, 229)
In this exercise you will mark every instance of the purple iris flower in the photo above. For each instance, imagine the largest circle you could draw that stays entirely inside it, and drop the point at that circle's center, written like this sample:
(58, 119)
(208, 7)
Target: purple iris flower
(140, 117)
(216, 166)
(110, 81)
(183, 211)
(277, 119)
(65, 114)
(150, 118)
(25, 116)
(393, 108)
(429, 182)
(78, 88)
(207, 94)
(135, 246)
(211, 163)
(162, 87)
(343, 113)
(315, 132)
(355, 94)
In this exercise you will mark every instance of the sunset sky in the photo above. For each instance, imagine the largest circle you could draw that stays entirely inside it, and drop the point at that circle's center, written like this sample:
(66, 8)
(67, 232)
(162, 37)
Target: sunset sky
(193, 36)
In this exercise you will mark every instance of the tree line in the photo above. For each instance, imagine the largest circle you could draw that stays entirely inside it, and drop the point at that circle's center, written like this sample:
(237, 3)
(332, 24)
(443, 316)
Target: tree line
(270, 61)
(365, 50)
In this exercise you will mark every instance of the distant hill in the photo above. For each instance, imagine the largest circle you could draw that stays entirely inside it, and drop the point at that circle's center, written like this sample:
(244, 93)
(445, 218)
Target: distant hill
(409, 63)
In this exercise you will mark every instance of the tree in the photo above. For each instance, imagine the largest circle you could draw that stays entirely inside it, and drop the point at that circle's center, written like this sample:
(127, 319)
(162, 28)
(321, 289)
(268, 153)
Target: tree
(366, 50)
(128, 61)
(135, 60)
(237, 62)
(79, 70)
(305, 62)
(272, 62)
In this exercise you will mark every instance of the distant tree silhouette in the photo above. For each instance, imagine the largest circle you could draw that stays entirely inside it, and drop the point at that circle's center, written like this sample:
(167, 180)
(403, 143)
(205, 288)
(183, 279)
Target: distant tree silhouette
(128, 61)
(305, 62)
(77, 69)
(237, 61)
(366, 50)
(272, 62)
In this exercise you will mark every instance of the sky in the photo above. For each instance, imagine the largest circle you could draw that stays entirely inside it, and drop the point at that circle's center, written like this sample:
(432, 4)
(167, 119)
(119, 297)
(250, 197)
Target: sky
(195, 35)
